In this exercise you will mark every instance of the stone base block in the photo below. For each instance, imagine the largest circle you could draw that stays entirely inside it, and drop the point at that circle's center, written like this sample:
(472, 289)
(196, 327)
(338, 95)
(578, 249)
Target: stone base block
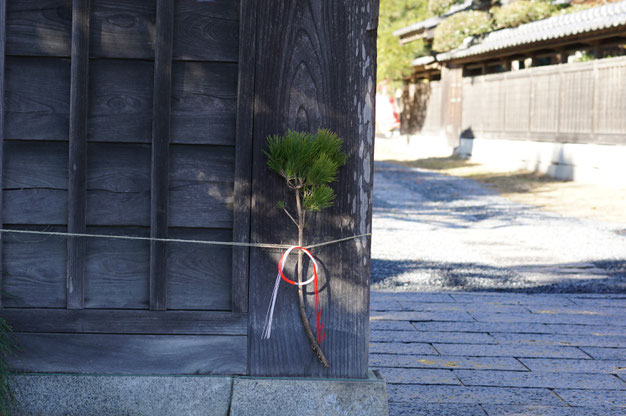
(78, 395)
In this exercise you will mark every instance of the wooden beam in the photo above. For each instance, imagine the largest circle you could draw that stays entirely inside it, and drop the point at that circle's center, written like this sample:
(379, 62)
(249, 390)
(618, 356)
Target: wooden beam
(77, 195)
(161, 112)
(3, 15)
(243, 157)
(116, 321)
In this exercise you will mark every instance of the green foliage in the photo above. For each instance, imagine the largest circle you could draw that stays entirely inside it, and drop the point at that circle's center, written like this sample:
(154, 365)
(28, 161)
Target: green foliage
(520, 12)
(450, 33)
(308, 163)
(394, 59)
(7, 345)
(438, 7)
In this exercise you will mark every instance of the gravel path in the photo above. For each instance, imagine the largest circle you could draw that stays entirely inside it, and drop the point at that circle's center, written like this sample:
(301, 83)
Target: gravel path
(435, 232)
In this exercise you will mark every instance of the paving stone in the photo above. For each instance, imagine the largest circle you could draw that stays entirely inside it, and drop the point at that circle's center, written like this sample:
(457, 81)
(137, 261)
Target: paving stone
(586, 309)
(546, 318)
(385, 305)
(535, 379)
(428, 337)
(421, 316)
(512, 298)
(506, 410)
(411, 296)
(606, 353)
(611, 303)
(509, 351)
(527, 328)
(418, 376)
(586, 329)
(391, 326)
(449, 362)
(571, 340)
(574, 366)
(400, 348)
(462, 307)
(471, 395)
(593, 397)
(419, 409)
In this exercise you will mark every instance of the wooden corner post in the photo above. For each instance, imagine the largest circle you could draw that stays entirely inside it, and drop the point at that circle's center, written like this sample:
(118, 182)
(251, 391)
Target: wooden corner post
(315, 68)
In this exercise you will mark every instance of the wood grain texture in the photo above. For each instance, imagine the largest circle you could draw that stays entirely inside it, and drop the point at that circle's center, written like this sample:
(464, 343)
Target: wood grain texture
(118, 184)
(3, 15)
(37, 97)
(161, 111)
(243, 157)
(120, 100)
(117, 272)
(206, 31)
(204, 103)
(77, 186)
(125, 322)
(130, 354)
(199, 276)
(39, 28)
(123, 29)
(34, 268)
(325, 77)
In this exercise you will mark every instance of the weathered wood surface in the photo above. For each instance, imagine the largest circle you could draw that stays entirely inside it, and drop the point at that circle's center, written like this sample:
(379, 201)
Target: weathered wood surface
(130, 354)
(39, 28)
(117, 271)
(204, 102)
(203, 31)
(34, 270)
(37, 96)
(243, 157)
(126, 322)
(3, 10)
(118, 184)
(199, 276)
(325, 77)
(77, 160)
(159, 184)
(120, 100)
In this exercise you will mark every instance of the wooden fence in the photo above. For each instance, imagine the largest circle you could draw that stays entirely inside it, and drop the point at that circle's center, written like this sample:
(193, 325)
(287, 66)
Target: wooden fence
(575, 103)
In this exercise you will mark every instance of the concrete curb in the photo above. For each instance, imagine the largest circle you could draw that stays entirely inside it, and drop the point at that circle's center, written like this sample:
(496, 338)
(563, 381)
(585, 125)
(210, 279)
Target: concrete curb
(91, 394)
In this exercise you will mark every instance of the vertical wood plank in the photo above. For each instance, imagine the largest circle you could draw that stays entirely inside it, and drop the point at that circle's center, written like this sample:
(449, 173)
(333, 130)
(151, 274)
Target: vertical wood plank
(160, 152)
(77, 195)
(324, 76)
(243, 158)
(3, 15)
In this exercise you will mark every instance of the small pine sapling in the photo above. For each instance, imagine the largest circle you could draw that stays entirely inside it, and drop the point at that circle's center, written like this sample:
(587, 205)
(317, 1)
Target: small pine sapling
(308, 163)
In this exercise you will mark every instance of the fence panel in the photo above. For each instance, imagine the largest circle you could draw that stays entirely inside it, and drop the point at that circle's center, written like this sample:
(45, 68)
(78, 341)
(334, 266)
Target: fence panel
(576, 103)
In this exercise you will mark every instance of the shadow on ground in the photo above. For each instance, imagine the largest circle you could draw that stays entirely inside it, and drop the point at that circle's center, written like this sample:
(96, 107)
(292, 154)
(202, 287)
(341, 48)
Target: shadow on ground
(598, 276)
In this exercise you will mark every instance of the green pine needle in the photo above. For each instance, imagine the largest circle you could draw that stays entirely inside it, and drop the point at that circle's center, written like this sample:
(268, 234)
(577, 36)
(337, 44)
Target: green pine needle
(308, 162)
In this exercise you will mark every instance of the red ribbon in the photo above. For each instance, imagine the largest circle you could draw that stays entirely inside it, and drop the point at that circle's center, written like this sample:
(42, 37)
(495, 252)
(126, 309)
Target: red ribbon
(321, 335)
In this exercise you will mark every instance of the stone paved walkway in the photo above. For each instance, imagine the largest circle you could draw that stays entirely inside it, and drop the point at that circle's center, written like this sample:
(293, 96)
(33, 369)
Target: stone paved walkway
(493, 353)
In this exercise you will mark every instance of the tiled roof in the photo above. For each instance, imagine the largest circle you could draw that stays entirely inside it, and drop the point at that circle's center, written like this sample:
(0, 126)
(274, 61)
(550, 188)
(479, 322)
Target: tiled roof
(423, 60)
(612, 15)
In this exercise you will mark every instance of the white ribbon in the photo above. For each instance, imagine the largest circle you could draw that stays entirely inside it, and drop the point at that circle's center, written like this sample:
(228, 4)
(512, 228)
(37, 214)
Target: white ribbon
(269, 316)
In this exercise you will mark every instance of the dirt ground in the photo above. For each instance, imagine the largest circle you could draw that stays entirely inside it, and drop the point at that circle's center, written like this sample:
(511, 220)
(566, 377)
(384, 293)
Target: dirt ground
(563, 197)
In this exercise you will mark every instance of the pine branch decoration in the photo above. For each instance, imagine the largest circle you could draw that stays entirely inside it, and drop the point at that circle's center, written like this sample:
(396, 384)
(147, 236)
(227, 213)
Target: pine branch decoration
(308, 163)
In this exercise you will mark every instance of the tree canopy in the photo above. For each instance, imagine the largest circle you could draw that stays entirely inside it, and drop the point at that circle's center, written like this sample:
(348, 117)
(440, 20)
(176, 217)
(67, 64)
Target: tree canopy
(394, 60)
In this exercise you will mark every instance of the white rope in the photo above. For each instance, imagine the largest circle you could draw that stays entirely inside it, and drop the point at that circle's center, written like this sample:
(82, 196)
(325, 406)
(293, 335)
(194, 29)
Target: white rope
(177, 240)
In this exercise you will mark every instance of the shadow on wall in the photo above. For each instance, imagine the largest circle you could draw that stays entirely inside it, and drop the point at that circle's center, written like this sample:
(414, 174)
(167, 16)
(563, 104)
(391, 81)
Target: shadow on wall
(597, 276)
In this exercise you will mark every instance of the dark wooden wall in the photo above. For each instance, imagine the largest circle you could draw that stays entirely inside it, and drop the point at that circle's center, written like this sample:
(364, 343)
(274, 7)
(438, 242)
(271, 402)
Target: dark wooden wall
(149, 118)
(316, 67)
(120, 117)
